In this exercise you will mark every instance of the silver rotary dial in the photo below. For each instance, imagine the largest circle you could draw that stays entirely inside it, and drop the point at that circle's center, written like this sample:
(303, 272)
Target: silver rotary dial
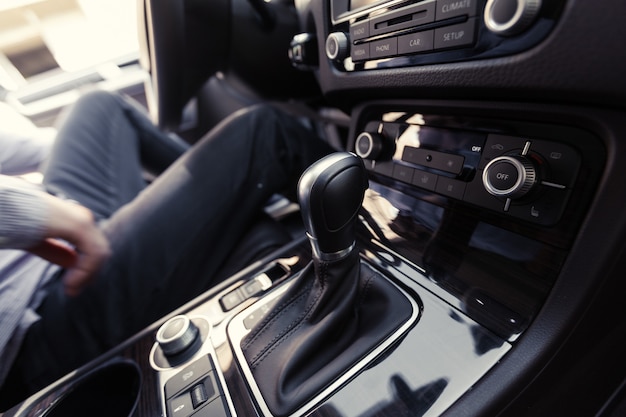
(509, 176)
(176, 335)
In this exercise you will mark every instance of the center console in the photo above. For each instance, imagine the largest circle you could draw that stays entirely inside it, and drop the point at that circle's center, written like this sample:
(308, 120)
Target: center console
(402, 298)
(467, 219)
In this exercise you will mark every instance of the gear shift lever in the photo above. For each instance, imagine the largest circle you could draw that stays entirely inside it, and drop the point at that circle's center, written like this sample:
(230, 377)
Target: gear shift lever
(336, 310)
(330, 194)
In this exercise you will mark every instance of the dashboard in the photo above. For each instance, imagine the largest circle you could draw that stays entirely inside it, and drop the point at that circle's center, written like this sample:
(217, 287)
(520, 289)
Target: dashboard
(493, 135)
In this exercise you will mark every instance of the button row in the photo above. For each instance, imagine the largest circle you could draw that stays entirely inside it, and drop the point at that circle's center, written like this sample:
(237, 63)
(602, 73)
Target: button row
(545, 211)
(254, 287)
(454, 36)
(434, 159)
(449, 187)
(411, 16)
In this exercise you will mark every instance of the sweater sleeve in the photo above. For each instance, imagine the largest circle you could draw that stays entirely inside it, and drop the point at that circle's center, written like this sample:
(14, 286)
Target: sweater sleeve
(23, 214)
(21, 154)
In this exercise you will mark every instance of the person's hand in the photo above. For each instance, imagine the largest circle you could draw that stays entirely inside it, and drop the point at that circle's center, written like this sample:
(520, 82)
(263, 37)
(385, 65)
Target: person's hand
(74, 224)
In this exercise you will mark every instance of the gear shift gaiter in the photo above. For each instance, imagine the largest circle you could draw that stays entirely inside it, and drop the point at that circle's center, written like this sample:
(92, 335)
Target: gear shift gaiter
(337, 310)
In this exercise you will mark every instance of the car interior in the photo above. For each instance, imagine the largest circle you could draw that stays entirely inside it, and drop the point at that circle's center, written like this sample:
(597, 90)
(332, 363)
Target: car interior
(474, 214)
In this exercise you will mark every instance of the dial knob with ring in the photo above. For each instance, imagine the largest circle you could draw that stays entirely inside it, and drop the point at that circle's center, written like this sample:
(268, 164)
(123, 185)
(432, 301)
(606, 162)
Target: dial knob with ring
(176, 335)
(368, 145)
(510, 17)
(337, 46)
(510, 176)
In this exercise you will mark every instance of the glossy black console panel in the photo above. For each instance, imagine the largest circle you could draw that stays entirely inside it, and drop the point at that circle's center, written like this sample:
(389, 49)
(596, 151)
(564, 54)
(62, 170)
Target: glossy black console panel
(495, 257)
(434, 362)
(429, 367)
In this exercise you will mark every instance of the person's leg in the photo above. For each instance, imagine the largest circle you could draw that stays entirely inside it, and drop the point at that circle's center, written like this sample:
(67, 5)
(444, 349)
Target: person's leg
(100, 152)
(170, 240)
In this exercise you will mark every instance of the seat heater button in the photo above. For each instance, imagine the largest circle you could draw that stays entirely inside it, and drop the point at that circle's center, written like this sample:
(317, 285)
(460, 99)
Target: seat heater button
(424, 179)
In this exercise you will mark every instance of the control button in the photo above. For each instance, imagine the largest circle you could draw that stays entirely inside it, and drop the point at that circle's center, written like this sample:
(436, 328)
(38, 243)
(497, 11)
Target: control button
(452, 8)
(510, 17)
(424, 179)
(360, 52)
(509, 176)
(368, 145)
(189, 375)
(260, 283)
(384, 168)
(251, 288)
(180, 406)
(491, 313)
(563, 162)
(450, 187)
(337, 46)
(384, 48)
(198, 395)
(416, 42)
(359, 30)
(215, 408)
(498, 145)
(502, 175)
(231, 300)
(434, 159)
(204, 399)
(546, 210)
(456, 35)
(403, 173)
(176, 335)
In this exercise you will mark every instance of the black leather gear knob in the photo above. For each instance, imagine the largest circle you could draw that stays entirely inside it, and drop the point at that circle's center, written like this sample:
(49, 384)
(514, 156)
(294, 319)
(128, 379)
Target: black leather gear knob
(330, 193)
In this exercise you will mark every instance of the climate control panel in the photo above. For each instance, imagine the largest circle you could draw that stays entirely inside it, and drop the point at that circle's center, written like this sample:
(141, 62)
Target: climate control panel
(525, 177)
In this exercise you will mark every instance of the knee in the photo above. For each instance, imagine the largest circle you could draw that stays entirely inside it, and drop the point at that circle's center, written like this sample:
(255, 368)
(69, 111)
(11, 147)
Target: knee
(98, 101)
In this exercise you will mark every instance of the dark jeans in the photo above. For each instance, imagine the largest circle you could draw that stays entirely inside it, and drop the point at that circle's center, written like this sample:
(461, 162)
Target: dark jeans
(168, 238)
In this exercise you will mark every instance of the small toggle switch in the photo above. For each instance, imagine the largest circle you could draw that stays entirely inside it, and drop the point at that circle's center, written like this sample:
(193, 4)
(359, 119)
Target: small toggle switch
(198, 395)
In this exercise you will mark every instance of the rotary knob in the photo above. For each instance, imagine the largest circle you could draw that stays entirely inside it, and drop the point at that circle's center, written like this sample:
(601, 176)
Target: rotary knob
(337, 46)
(509, 176)
(510, 17)
(368, 145)
(176, 335)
